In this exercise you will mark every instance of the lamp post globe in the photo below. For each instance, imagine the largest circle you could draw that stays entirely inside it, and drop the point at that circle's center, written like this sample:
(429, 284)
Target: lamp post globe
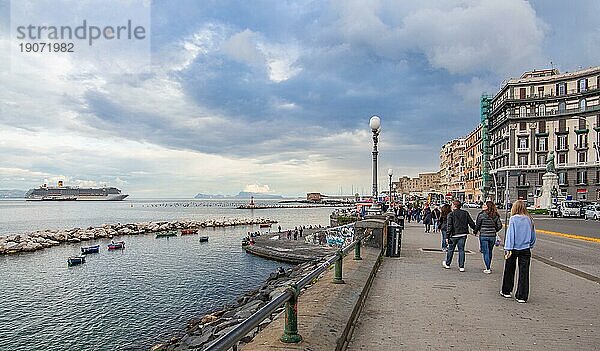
(375, 123)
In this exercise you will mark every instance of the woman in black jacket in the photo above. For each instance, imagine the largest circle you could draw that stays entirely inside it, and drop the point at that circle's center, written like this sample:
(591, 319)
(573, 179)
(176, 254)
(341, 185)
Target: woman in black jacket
(487, 225)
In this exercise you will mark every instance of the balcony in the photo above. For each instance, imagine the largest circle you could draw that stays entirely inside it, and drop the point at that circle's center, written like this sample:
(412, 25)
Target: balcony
(570, 111)
(597, 127)
(522, 149)
(581, 131)
(559, 131)
(523, 185)
(581, 146)
(543, 150)
(522, 132)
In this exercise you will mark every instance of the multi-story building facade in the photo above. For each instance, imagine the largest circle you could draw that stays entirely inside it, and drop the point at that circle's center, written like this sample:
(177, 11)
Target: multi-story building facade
(452, 168)
(546, 114)
(422, 185)
(473, 166)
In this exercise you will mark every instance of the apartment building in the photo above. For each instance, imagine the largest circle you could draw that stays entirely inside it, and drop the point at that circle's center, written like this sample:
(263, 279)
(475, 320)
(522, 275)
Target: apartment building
(422, 185)
(452, 169)
(474, 166)
(546, 114)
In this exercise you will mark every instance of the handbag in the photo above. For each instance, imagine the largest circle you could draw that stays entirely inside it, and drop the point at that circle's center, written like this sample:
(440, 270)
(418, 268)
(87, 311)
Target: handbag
(498, 241)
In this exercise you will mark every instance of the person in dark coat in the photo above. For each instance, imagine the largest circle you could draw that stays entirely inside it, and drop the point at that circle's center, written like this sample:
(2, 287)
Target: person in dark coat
(427, 218)
(487, 225)
(459, 222)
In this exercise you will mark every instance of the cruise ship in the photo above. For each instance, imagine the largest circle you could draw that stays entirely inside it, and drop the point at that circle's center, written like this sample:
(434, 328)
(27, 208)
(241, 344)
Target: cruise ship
(70, 193)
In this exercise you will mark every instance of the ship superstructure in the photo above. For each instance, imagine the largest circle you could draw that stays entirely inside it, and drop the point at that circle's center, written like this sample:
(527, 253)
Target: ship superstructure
(67, 193)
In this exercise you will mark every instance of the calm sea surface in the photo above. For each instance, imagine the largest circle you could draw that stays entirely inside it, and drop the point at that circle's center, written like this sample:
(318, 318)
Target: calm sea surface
(130, 299)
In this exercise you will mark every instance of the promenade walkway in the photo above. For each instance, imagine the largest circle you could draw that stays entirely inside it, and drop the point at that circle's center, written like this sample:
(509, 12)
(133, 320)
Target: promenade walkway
(415, 304)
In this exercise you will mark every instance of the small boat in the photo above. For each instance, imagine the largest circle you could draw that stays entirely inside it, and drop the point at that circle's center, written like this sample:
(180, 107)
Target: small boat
(203, 239)
(90, 249)
(166, 234)
(189, 231)
(266, 225)
(75, 260)
(116, 245)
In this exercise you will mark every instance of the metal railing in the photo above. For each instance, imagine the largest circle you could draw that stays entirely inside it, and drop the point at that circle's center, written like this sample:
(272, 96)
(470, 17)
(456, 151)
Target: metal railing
(289, 297)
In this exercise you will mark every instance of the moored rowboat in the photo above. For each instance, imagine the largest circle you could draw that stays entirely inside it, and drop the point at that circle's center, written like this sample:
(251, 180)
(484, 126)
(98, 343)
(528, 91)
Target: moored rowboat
(189, 231)
(166, 234)
(90, 249)
(203, 239)
(75, 260)
(116, 245)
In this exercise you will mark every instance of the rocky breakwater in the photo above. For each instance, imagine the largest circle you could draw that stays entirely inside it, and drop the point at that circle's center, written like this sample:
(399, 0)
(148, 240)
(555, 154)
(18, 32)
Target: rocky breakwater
(203, 331)
(42, 239)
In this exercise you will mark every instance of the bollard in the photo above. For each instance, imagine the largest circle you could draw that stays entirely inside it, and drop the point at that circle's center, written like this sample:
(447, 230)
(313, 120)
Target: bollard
(290, 330)
(357, 251)
(337, 279)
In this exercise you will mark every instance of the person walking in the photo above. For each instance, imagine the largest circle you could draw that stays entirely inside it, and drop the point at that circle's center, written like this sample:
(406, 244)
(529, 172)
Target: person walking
(487, 225)
(520, 238)
(427, 218)
(442, 224)
(458, 225)
(435, 217)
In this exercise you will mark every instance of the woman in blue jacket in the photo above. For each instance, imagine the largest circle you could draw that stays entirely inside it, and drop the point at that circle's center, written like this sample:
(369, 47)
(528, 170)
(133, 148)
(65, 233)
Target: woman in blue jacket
(520, 238)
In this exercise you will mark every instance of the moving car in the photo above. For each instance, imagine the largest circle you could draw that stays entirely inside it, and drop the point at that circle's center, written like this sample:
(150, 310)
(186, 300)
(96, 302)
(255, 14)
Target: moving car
(592, 212)
(568, 208)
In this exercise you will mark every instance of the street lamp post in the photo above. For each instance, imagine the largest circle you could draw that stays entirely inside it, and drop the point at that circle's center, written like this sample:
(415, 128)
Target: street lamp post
(375, 124)
(390, 174)
(495, 182)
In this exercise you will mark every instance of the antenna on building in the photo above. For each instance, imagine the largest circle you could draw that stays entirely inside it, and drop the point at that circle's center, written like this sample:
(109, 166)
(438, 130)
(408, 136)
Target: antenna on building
(552, 64)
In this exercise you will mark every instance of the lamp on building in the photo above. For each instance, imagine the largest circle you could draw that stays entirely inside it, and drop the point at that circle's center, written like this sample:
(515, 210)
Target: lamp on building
(390, 174)
(375, 124)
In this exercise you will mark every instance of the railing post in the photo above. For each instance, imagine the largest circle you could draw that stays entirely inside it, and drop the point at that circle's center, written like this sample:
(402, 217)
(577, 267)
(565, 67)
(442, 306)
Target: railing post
(337, 279)
(357, 251)
(290, 330)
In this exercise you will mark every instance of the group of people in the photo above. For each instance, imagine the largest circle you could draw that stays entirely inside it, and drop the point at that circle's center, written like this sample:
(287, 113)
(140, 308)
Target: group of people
(455, 222)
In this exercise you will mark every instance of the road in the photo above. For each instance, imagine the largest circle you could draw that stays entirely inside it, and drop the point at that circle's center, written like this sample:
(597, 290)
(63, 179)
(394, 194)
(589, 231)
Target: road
(575, 253)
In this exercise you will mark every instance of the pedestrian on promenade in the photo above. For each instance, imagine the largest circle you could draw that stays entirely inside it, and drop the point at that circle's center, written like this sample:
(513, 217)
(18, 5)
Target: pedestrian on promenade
(487, 225)
(458, 225)
(520, 238)
(301, 230)
(435, 217)
(279, 228)
(442, 224)
(427, 218)
(289, 235)
(409, 213)
(296, 234)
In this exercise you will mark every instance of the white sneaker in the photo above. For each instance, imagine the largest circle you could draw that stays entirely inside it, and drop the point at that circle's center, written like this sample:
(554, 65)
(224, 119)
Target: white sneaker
(505, 295)
(461, 269)
(445, 265)
(487, 271)
(521, 301)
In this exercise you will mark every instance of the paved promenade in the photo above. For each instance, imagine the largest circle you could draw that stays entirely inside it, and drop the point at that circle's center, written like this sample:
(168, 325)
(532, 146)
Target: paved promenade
(415, 304)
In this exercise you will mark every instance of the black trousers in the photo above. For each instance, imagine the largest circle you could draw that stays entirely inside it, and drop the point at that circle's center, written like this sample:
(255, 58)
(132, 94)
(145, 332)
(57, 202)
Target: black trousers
(523, 258)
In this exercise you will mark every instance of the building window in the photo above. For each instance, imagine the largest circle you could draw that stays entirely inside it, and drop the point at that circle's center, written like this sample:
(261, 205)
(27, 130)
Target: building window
(540, 91)
(521, 180)
(523, 160)
(582, 86)
(563, 158)
(522, 126)
(522, 111)
(541, 178)
(562, 106)
(542, 110)
(561, 88)
(561, 142)
(541, 159)
(562, 178)
(582, 157)
(582, 141)
(582, 177)
(542, 144)
(582, 105)
(523, 143)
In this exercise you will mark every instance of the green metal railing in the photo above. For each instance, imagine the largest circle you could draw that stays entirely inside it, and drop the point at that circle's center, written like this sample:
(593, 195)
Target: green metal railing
(289, 298)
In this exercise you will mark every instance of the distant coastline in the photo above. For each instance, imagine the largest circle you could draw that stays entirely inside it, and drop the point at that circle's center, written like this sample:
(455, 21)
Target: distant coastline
(12, 194)
(240, 195)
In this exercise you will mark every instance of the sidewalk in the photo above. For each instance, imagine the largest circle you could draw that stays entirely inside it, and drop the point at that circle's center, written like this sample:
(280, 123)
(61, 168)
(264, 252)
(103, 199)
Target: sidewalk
(415, 304)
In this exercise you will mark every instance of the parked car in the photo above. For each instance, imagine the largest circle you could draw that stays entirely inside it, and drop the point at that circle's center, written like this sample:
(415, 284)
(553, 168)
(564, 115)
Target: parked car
(471, 205)
(568, 208)
(592, 212)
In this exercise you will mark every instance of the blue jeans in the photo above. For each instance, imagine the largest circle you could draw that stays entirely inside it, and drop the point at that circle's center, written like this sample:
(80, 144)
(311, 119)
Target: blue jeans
(452, 243)
(444, 245)
(486, 244)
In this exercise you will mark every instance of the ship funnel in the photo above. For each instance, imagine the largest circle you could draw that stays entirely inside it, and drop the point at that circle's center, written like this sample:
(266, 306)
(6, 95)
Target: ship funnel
(60, 183)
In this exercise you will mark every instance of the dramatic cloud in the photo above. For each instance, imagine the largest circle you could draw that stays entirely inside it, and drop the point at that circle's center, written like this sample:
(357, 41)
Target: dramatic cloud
(241, 95)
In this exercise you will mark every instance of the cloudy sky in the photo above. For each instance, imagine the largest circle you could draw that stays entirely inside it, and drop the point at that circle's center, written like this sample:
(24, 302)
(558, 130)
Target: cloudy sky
(275, 96)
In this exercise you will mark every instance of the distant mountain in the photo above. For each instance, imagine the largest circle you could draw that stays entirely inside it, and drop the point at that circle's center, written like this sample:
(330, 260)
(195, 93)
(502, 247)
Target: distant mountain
(240, 195)
(12, 194)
